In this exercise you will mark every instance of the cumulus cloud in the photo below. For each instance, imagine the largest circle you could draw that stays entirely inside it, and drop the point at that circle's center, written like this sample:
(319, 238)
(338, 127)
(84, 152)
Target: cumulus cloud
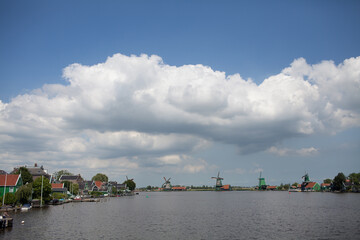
(137, 109)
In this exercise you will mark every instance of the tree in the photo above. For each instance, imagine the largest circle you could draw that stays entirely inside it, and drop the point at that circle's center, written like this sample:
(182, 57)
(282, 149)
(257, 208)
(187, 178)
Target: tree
(354, 178)
(46, 188)
(328, 180)
(130, 184)
(286, 187)
(23, 194)
(148, 187)
(25, 174)
(9, 198)
(338, 183)
(58, 174)
(295, 184)
(71, 187)
(100, 177)
(114, 190)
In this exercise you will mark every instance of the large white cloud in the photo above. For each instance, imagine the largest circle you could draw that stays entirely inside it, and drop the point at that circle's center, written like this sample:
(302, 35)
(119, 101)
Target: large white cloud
(136, 109)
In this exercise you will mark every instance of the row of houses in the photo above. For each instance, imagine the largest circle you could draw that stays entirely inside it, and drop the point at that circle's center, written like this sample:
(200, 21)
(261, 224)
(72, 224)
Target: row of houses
(10, 183)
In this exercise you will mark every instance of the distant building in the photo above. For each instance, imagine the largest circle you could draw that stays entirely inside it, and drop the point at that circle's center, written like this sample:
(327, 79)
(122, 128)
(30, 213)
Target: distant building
(10, 183)
(325, 187)
(311, 187)
(59, 188)
(179, 188)
(37, 172)
(271, 188)
(71, 178)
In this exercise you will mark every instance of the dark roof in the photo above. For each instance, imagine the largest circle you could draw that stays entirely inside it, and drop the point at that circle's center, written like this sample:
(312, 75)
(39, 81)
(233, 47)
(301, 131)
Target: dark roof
(69, 177)
(2, 172)
(120, 186)
(37, 171)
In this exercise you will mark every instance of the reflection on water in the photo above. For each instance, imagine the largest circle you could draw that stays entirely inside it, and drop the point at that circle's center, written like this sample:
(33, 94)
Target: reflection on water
(197, 215)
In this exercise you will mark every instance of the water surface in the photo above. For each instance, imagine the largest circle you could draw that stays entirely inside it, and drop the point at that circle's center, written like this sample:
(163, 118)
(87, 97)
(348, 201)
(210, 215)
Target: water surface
(197, 215)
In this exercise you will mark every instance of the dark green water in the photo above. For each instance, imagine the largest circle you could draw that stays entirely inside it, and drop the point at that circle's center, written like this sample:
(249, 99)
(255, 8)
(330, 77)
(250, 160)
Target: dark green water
(197, 215)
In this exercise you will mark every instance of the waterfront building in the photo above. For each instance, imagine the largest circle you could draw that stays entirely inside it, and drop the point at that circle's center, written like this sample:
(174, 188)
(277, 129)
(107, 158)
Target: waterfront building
(312, 187)
(59, 188)
(10, 183)
(71, 178)
(37, 172)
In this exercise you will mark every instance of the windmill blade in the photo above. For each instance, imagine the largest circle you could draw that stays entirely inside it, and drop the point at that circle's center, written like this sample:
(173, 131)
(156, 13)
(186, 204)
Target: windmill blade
(165, 179)
(218, 174)
(169, 179)
(127, 178)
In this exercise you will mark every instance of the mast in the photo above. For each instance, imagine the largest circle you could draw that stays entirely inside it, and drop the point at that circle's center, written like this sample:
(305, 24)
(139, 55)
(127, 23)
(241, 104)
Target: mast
(42, 182)
(4, 190)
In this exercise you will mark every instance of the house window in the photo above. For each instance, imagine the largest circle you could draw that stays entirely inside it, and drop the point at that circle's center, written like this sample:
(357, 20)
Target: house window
(11, 189)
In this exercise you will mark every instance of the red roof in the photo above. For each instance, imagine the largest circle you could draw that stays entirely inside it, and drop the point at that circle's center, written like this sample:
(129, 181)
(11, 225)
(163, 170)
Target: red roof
(57, 185)
(98, 184)
(271, 187)
(310, 185)
(11, 179)
(225, 187)
(179, 188)
(325, 184)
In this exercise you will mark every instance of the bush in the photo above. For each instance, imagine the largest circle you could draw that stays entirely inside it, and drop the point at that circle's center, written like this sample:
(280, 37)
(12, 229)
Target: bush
(9, 198)
(58, 196)
(23, 194)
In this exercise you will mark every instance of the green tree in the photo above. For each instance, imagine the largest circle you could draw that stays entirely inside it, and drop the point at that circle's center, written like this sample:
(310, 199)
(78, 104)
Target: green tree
(286, 187)
(71, 187)
(46, 189)
(328, 180)
(25, 174)
(130, 184)
(354, 178)
(114, 190)
(338, 183)
(9, 198)
(58, 174)
(58, 195)
(23, 194)
(295, 184)
(148, 187)
(100, 177)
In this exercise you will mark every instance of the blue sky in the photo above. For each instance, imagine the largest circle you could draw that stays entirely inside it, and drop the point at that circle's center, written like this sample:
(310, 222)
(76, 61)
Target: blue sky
(256, 39)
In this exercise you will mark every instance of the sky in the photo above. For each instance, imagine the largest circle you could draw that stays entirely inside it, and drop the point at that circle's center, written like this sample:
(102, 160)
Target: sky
(181, 89)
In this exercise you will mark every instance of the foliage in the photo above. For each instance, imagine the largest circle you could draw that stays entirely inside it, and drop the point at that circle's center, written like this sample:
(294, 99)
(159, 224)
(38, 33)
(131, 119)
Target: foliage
(130, 184)
(338, 183)
(295, 184)
(23, 194)
(96, 194)
(355, 178)
(148, 187)
(25, 174)
(328, 180)
(114, 190)
(9, 198)
(58, 195)
(100, 177)
(46, 188)
(71, 187)
(58, 174)
(286, 187)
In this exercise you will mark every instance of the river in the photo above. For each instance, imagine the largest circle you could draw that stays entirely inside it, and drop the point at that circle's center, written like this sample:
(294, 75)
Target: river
(196, 215)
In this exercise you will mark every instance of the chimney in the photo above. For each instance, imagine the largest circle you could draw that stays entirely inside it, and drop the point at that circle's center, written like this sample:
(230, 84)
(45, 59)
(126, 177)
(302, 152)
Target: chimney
(35, 165)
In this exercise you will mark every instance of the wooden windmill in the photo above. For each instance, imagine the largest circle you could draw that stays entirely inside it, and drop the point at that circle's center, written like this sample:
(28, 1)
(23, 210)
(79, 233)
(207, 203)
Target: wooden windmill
(218, 182)
(166, 185)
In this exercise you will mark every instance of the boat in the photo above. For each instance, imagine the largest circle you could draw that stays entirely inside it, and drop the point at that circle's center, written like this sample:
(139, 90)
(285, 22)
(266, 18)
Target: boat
(5, 220)
(26, 207)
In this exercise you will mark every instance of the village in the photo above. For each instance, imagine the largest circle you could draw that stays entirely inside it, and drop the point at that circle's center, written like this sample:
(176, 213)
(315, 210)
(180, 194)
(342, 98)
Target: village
(32, 186)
